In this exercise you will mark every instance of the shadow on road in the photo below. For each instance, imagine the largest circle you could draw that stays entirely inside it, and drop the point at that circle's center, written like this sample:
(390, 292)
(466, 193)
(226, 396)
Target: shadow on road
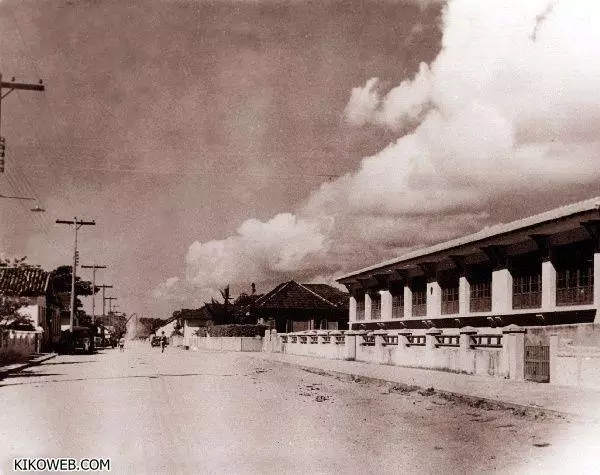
(29, 374)
(70, 362)
(100, 378)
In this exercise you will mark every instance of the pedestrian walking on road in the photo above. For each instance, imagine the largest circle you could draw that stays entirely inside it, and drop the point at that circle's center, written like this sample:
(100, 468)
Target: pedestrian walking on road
(163, 342)
(122, 344)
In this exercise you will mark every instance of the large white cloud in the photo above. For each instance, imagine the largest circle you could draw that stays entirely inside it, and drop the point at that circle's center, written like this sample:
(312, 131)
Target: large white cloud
(512, 102)
(259, 250)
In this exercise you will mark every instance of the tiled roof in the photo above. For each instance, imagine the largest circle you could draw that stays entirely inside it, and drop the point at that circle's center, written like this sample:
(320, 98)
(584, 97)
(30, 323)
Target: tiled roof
(23, 281)
(335, 296)
(291, 295)
(201, 313)
(489, 232)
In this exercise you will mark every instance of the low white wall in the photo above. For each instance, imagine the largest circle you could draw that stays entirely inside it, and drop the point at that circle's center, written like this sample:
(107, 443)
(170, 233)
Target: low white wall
(400, 349)
(16, 344)
(246, 344)
(574, 354)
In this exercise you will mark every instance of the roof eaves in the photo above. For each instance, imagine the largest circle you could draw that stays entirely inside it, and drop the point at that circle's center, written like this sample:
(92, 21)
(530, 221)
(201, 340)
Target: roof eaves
(316, 294)
(273, 292)
(486, 233)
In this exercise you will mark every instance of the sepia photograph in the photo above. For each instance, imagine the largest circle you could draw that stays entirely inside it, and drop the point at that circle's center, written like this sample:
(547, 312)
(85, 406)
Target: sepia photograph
(300, 236)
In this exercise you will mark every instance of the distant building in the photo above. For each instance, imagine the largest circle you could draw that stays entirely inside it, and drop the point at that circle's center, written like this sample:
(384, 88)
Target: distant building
(193, 320)
(30, 287)
(541, 270)
(291, 307)
(168, 327)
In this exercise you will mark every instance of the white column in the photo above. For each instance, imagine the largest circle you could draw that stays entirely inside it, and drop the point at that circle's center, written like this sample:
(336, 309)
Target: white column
(464, 292)
(407, 302)
(597, 286)
(548, 286)
(434, 299)
(501, 291)
(352, 315)
(386, 305)
(367, 306)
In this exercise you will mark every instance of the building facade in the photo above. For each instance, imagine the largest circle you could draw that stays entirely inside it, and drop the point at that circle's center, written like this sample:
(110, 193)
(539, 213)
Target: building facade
(541, 270)
(292, 307)
(29, 286)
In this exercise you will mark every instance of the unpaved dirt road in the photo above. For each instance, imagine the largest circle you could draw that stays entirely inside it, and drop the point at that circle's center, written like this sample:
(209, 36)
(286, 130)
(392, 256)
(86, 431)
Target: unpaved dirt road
(202, 412)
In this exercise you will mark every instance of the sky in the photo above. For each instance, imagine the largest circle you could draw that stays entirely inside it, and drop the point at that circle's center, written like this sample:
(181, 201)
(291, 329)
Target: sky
(229, 142)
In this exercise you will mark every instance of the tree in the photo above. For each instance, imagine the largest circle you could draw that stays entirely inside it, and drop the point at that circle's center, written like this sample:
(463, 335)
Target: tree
(60, 283)
(240, 311)
(221, 312)
(178, 327)
(17, 262)
(148, 326)
(10, 318)
(9, 306)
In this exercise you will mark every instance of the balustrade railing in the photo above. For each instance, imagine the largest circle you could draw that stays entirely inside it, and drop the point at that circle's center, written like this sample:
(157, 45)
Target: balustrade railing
(486, 341)
(390, 340)
(368, 340)
(447, 340)
(416, 340)
(340, 339)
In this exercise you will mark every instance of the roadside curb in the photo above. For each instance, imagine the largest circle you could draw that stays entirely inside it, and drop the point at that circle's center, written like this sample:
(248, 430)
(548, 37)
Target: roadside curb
(6, 370)
(474, 401)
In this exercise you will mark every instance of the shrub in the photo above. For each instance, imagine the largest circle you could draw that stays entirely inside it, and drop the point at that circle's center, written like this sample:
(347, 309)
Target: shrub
(236, 330)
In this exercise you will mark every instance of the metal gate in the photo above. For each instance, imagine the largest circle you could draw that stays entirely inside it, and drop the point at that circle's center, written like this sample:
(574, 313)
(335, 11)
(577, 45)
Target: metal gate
(537, 363)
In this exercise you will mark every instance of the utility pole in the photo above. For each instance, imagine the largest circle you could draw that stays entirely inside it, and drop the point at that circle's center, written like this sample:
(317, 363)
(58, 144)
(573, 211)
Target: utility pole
(11, 86)
(93, 267)
(103, 287)
(111, 315)
(110, 299)
(76, 225)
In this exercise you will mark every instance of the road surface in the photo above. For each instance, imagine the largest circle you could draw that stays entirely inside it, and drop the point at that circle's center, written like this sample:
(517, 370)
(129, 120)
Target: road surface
(203, 412)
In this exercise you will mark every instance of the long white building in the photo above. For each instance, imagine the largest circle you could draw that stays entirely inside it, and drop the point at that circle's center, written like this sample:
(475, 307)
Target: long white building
(534, 271)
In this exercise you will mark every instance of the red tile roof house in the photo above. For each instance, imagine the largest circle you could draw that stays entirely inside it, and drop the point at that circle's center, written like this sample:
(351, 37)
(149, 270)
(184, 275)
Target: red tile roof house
(293, 307)
(193, 320)
(31, 284)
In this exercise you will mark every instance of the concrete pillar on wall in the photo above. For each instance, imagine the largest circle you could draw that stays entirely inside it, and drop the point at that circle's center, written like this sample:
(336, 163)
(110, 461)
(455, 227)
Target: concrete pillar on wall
(275, 343)
(386, 305)
(350, 346)
(367, 306)
(379, 348)
(407, 302)
(553, 358)
(464, 292)
(466, 355)
(548, 286)
(434, 299)
(597, 286)
(501, 291)
(430, 338)
(515, 346)
(352, 314)
(431, 346)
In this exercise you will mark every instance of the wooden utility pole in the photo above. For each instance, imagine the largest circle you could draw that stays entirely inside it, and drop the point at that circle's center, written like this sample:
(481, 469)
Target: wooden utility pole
(93, 267)
(110, 299)
(104, 287)
(76, 225)
(11, 86)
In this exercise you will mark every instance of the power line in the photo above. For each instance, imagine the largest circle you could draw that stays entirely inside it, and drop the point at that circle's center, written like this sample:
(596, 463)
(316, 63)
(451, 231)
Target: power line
(210, 174)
